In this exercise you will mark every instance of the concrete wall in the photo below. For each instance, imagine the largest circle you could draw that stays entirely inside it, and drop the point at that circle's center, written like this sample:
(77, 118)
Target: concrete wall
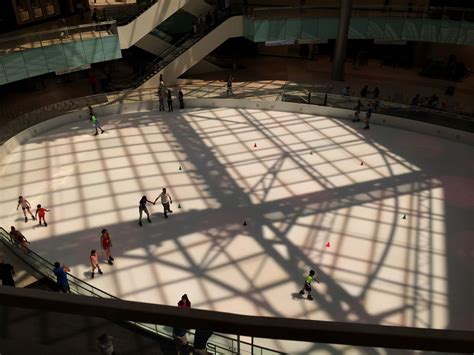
(146, 106)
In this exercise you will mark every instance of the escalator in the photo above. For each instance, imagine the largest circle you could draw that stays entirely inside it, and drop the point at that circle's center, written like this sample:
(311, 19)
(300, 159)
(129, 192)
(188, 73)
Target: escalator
(187, 52)
(152, 15)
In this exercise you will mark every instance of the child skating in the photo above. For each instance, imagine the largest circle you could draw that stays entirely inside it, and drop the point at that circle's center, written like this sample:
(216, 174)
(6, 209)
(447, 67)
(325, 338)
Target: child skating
(357, 109)
(307, 284)
(106, 243)
(142, 208)
(94, 258)
(41, 214)
(26, 207)
(368, 115)
(95, 122)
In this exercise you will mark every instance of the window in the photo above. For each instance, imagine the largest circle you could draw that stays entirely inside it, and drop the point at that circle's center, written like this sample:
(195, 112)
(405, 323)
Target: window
(22, 10)
(36, 8)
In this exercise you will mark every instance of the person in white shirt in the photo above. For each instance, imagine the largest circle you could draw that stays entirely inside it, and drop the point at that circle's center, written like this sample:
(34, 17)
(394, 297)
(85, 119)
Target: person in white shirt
(165, 201)
(25, 206)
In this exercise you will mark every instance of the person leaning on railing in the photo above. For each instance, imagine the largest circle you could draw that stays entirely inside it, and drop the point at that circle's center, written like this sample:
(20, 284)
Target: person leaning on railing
(18, 238)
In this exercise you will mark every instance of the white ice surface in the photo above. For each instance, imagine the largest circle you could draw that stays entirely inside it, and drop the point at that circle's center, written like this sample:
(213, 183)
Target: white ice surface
(379, 267)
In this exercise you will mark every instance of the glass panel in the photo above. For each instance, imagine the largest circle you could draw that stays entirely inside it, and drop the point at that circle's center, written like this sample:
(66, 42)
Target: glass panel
(14, 66)
(309, 28)
(276, 30)
(328, 27)
(35, 62)
(293, 29)
(412, 29)
(261, 30)
(358, 27)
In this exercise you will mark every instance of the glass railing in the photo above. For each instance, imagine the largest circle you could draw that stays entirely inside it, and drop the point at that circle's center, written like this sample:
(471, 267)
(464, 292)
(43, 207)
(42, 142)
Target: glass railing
(62, 35)
(439, 25)
(59, 50)
(217, 344)
(412, 11)
(422, 112)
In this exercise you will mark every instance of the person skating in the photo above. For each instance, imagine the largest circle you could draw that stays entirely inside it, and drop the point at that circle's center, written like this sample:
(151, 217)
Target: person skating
(95, 122)
(181, 99)
(25, 206)
(368, 114)
(94, 259)
(170, 101)
(106, 243)
(357, 109)
(165, 201)
(41, 213)
(307, 284)
(161, 99)
(142, 208)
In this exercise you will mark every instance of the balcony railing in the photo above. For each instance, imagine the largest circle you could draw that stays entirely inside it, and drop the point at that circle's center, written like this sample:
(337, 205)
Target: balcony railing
(218, 343)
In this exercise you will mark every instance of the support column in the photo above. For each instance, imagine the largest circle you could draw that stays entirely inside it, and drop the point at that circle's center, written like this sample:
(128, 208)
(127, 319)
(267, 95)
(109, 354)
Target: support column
(340, 48)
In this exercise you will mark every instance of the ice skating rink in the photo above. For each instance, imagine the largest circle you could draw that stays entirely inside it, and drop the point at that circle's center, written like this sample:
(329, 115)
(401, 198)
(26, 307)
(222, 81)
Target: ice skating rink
(309, 181)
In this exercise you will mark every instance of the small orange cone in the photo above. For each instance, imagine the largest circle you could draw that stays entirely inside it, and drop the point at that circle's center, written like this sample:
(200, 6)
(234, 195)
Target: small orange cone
(328, 245)
(255, 145)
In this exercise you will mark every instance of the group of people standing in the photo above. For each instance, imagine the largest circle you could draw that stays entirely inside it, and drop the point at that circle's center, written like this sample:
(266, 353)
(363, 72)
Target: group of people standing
(163, 93)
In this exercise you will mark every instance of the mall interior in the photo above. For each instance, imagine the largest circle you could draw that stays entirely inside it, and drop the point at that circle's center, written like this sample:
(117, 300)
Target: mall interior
(282, 69)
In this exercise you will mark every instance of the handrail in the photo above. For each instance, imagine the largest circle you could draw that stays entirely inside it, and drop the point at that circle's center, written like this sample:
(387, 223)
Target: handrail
(29, 119)
(363, 7)
(416, 10)
(58, 30)
(170, 53)
(357, 334)
(131, 17)
(80, 287)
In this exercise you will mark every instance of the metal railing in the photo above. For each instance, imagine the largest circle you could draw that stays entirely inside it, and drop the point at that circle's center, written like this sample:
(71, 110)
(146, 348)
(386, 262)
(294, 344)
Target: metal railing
(300, 94)
(290, 93)
(411, 11)
(218, 343)
(57, 36)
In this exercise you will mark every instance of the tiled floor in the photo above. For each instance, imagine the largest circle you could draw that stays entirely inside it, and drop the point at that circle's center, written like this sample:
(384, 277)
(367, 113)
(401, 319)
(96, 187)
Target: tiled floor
(385, 217)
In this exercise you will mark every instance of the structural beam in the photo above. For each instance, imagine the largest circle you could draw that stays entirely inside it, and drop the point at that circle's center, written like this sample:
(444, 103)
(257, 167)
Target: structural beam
(340, 48)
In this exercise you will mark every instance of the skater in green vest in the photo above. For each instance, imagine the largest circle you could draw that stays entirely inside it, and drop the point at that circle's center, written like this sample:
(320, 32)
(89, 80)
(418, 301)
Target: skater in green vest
(95, 122)
(307, 284)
